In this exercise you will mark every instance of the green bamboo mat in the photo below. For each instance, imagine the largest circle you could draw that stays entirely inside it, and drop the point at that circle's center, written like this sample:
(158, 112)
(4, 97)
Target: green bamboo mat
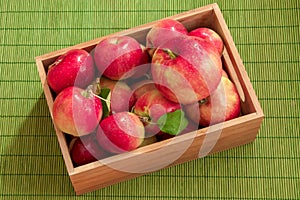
(267, 35)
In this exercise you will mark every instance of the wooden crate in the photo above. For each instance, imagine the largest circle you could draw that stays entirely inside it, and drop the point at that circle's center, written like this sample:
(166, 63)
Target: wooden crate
(180, 149)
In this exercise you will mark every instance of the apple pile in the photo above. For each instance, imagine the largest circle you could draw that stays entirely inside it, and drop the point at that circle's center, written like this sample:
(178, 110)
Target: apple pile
(124, 95)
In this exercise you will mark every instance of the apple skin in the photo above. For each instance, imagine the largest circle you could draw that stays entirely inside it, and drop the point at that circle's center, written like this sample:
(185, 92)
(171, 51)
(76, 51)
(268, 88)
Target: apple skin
(74, 68)
(163, 31)
(223, 105)
(85, 150)
(121, 95)
(224, 73)
(120, 132)
(142, 87)
(117, 56)
(144, 66)
(186, 70)
(210, 36)
(76, 112)
(150, 107)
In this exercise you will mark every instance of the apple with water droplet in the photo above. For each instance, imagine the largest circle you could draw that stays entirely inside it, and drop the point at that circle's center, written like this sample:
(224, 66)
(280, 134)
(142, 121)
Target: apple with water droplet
(186, 70)
(120, 132)
(150, 107)
(163, 31)
(77, 111)
(222, 105)
(85, 149)
(116, 57)
(73, 68)
(210, 36)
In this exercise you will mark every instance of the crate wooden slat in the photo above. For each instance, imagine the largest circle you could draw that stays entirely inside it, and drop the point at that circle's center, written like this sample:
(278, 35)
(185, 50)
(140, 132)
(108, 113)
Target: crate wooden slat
(194, 145)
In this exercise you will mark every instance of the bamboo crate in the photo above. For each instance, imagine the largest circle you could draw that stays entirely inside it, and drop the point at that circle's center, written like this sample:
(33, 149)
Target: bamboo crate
(177, 150)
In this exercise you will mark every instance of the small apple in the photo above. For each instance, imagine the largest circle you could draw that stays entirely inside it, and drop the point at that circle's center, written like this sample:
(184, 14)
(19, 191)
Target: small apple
(121, 95)
(141, 87)
(210, 36)
(85, 149)
(117, 56)
(163, 31)
(222, 105)
(186, 71)
(150, 107)
(76, 111)
(120, 132)
(74, 68)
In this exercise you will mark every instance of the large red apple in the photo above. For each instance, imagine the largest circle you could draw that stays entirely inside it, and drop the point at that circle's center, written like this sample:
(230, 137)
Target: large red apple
(185, 70)
(75, 67)
(210, 36)
(121, 95)
(120, 132)
(150, 107)
(222, 105)
(85, 150)
(76, 111)
(116, 57)
(163, 31)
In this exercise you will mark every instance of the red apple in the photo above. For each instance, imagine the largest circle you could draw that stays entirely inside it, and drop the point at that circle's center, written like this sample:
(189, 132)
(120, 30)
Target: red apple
(121, 95)
(74, 68)
(144, 66)
(120, 132)
(85, 150)
(117, 56)
(163, 31)
(141, 87)
(222, 105)
(185, 70)
(150, 107)
(210, 36)
(76, 111)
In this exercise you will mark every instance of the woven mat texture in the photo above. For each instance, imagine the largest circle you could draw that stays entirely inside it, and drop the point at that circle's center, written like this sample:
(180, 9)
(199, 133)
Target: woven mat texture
(267, 36)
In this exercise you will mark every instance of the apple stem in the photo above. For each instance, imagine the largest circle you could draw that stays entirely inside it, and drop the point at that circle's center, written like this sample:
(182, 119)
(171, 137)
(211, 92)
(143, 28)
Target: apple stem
(147, 76)
(95, 90)
(202, 101)
(170, 53)
(97, 96)
(146, 120)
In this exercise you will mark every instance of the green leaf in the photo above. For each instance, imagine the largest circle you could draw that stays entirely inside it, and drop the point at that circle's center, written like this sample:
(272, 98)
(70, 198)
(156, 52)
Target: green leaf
(105, 94)
(173, 122)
